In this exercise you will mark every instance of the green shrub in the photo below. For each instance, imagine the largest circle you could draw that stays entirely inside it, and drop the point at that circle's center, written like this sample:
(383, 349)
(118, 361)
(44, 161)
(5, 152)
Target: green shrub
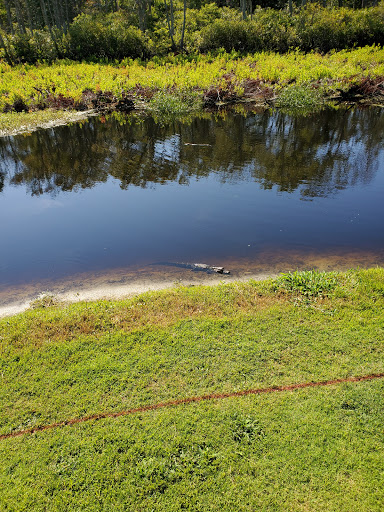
(323, 29)
(109, 37)
(35, 46)
(227, 34)
(86, 36)
(115, 36)
(300, 97)
(169, 105)
(198, 19)
(326, 29)
(311, 28)
(275, 29)
(309, 283)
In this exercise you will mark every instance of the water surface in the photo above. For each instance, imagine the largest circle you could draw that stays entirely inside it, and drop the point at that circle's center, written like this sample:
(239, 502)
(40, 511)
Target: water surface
(254, 192)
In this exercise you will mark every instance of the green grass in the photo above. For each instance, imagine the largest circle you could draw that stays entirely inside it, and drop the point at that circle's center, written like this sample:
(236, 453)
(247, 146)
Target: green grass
(308, 283)
(311, 449)
(314, 450)
(167, 105)
(301, 98)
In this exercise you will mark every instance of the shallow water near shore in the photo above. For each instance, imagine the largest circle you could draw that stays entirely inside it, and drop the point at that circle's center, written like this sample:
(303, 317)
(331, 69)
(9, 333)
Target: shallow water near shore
(109, 204)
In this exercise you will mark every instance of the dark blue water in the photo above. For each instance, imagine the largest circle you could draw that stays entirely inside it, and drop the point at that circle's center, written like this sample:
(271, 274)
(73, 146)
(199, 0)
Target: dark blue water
(109, 195)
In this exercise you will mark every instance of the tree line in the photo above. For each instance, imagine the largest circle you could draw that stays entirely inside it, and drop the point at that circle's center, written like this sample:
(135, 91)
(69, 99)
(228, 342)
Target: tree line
(32, 30)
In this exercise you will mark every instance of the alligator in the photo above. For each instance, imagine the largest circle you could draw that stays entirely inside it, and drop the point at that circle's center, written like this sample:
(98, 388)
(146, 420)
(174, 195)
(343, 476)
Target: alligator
(196, 267)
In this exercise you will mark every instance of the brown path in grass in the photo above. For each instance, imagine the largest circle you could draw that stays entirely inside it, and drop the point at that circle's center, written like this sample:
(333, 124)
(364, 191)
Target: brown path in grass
(173, 403)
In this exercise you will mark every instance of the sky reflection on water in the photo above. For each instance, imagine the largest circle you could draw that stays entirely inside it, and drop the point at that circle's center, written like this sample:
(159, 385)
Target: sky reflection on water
(104, 195)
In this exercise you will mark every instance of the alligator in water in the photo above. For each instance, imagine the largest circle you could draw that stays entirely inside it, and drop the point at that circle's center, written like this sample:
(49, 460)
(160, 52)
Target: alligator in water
(197, 267)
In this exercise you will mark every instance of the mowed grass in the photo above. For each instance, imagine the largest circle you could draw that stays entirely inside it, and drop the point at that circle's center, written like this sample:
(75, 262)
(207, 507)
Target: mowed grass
(311, 449)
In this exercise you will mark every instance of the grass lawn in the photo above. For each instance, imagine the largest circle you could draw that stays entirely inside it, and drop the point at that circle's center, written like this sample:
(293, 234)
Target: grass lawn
(317, 449)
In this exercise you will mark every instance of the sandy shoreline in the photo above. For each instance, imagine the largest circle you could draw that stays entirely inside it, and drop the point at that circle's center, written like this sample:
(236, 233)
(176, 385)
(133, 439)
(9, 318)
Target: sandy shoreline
(72, 292)
(122, 282)
(62, 118)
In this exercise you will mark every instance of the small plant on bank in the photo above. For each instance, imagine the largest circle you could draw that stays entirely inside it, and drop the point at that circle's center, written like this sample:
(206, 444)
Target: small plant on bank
(309, 283)
(246, 429)
(300, 98)
(44, 300)
(169, 104)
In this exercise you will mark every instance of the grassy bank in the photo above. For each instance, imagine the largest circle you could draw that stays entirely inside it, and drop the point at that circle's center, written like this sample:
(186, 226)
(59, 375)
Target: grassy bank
(208, 79)
(311, 449)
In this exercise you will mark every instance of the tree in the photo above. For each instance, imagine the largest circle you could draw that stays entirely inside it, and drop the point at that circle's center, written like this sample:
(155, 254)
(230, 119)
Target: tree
(170, 17)
(38, 14)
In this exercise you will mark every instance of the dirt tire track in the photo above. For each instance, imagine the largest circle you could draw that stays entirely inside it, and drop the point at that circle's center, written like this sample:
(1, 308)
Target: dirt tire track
(181, 401)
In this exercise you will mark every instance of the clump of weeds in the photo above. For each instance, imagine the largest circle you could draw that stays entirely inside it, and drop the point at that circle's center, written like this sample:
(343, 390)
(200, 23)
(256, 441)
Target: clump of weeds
(308, 284)
(169, 104)
(300, 99)
(45, 300)
(246, 429)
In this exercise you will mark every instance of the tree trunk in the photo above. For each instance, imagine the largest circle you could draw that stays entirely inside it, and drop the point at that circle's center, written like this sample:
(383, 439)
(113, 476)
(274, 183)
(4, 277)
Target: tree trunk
(183, 29)
(19, 16)
(67, 15)
(45, 17)
(9, 16)
(141, 11)
(31, 24)
(50, 13)
(48, 24)
(170, 22)
(56, 14)
(243, 6)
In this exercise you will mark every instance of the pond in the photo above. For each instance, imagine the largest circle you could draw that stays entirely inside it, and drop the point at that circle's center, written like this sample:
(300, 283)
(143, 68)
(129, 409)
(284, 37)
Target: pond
(122, 198)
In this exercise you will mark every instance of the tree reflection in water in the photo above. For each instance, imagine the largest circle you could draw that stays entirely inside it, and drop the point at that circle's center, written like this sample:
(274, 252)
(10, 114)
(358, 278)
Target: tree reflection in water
(316, 155)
